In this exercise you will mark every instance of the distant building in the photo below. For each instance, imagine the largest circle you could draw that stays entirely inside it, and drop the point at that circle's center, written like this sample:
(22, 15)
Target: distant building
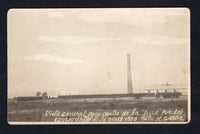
(68, 93)
(170, 88)
(161, 90)
(53, 97)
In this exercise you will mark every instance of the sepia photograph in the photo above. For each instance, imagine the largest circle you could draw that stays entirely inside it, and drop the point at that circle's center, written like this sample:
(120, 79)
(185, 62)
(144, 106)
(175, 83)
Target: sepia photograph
(98, 66)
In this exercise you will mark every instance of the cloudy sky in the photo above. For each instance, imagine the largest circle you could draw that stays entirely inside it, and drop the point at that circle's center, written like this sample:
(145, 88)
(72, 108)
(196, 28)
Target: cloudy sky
(85, 50)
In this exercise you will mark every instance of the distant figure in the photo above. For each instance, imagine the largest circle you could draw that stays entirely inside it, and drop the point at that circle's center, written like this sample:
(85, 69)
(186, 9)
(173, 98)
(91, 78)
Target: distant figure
(167, 84)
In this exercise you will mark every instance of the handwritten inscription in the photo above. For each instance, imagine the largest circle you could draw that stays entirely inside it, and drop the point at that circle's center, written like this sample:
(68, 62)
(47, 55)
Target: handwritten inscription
(130, 115)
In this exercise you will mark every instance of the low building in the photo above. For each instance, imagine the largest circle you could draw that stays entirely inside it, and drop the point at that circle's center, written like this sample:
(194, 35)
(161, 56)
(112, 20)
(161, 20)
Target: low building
(68, 93)
(166, 89)
(52, 97)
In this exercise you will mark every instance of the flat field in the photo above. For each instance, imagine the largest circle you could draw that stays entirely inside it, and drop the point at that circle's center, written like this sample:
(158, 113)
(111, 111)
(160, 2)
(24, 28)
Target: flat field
(99, 110)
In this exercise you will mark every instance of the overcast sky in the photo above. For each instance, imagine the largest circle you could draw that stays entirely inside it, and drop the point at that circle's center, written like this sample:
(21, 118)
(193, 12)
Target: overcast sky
(85, 50)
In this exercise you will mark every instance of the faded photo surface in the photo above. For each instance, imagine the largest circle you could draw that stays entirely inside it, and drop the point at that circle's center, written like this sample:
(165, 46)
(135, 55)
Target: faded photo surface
(98, 66)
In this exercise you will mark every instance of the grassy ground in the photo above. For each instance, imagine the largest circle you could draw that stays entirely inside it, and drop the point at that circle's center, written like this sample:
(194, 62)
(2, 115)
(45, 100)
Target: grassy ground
(33, 111)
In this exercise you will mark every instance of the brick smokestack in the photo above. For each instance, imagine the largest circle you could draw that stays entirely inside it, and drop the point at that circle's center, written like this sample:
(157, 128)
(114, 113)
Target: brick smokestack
(130, 88)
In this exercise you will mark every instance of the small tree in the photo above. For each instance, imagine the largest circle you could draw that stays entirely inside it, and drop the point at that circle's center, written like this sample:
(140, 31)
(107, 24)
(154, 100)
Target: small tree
(38, 94)
(44, 95)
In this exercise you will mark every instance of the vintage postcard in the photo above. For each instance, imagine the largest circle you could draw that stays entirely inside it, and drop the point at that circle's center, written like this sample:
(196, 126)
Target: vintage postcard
(99, 66)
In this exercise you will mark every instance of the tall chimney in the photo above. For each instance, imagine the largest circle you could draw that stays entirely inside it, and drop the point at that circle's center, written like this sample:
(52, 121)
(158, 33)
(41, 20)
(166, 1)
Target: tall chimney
(130, 88)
